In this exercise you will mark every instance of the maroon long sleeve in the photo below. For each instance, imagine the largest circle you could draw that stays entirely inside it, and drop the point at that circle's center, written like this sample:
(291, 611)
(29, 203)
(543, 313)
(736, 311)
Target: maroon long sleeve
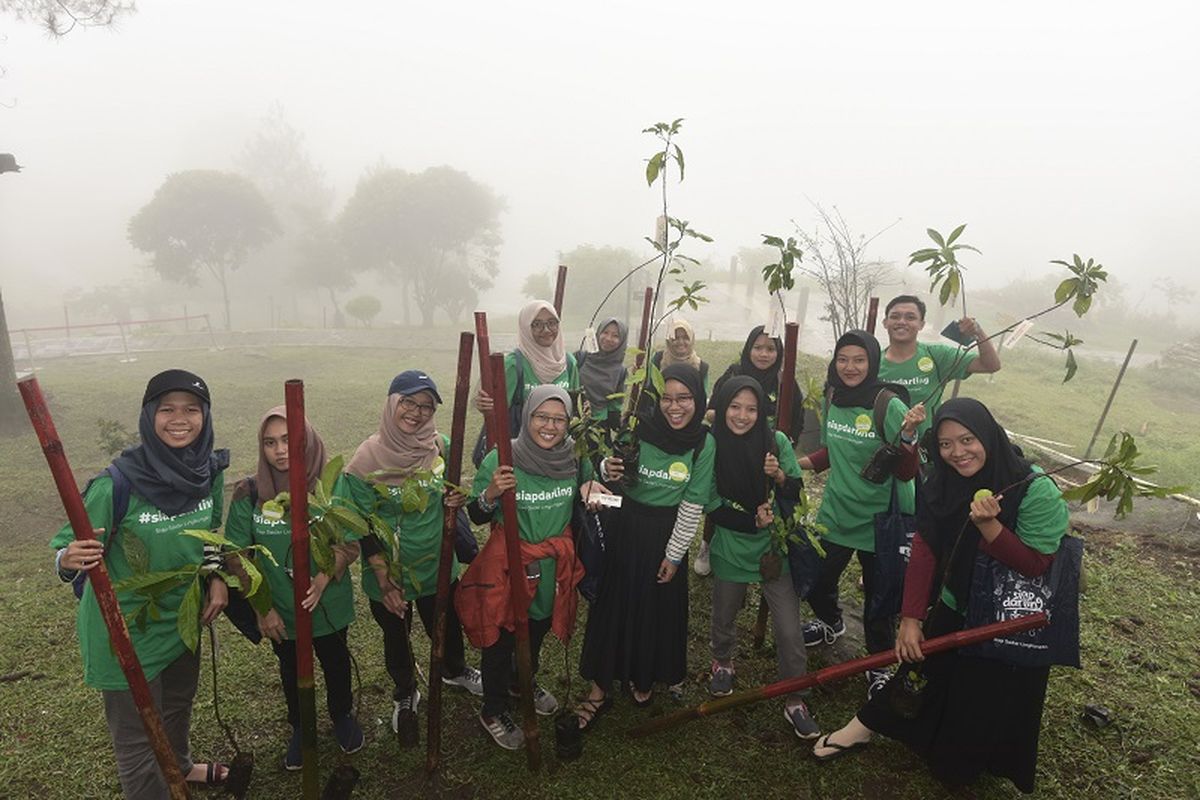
(918, 579)
(1008, 549)
(819, 459)
(906, 470)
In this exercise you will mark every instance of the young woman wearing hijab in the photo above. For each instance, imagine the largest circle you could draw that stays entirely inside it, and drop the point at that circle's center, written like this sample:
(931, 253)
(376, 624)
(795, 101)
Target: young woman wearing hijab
(637, 627)
(681, 349)
(407, 441)
(751, 460)
(762, 360)
(175, 481)
(547, 478)
(540, 358)
(603, 373)
(850, 502)
(330, 600)
(977, 714)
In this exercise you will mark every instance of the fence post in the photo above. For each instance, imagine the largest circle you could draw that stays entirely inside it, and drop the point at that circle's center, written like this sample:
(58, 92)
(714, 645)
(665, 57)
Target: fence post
(1111, 396)
(124, 341)
(212, 336)
(187, 326)
(67, 321)
(29, 352)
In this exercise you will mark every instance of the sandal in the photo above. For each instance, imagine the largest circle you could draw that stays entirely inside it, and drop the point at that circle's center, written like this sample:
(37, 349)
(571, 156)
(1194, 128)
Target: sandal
(839, 750)
(215, 774)
(589, 711)
(645, 702)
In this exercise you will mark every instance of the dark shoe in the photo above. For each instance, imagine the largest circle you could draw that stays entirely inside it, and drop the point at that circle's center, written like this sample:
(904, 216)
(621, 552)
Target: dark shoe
(409, 703)
(802, 721)
(720, 684)
(589, 711)
(876, 680)
(293, 760)
(817, 632)
(348, 734)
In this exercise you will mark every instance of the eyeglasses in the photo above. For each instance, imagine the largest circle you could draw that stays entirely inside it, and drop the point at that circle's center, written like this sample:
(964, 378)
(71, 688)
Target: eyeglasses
(547, 325)
(548, 420)
(424, 409)
(677, 400)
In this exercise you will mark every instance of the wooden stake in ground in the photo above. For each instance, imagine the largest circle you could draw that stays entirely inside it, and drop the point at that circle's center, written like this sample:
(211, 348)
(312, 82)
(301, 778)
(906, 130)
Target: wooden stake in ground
(483, 343)
(560, 287)
(298, 488)
(110, 609)
(783, 424)
(518, 592)
(837, 672)
(643, 335)
(452, 475)
(872, 314)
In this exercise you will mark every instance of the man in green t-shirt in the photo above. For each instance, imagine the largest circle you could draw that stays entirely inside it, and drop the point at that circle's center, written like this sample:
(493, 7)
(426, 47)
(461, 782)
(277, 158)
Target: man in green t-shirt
(925, 369)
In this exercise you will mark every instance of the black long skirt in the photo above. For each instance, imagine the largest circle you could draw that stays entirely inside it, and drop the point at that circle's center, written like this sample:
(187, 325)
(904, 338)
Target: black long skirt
(637, 627)
(976, 715)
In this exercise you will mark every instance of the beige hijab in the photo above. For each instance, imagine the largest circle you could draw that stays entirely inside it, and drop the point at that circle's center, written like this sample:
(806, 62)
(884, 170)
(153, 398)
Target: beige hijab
(268, 481)
(547, 362)
(392, 449)
(669, 358)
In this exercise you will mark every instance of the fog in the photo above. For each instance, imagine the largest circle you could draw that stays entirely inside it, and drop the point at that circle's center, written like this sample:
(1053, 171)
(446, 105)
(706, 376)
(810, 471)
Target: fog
(1049, 128)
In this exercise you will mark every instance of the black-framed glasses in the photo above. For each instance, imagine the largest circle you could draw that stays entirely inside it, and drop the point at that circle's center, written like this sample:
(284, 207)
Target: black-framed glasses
(425, 409)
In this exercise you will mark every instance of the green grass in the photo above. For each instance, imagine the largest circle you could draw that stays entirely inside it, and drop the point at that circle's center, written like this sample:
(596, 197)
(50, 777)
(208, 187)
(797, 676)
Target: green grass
(1140, 643)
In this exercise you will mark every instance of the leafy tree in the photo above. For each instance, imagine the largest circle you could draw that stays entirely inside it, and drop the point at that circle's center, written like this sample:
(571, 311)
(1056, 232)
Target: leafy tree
(592, 271)
(203, 220)
(418, 228)
(364, 308)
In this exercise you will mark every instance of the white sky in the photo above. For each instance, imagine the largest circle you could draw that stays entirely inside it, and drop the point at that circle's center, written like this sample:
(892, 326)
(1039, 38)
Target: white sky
(1049, 127)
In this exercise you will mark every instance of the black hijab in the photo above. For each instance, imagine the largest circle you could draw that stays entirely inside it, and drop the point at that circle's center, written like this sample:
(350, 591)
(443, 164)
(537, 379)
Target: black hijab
(862, 395)
(173, 480)
(767, 378)
(739, 464)
(653, 427)
(944, 499)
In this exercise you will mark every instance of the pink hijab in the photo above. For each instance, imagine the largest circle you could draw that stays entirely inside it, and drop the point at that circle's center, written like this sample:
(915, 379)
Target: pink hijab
(392, 449)
(269, 481)
(547, 362)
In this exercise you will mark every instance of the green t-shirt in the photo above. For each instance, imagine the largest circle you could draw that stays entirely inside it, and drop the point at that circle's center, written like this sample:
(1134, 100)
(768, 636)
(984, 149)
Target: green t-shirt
(667, 479)
(1042, 521)
(544, 507)
(734, 554)
(158, 644)
(568, 379)
(420, 532)
(929, 366)
(850, 502)
(246, 525)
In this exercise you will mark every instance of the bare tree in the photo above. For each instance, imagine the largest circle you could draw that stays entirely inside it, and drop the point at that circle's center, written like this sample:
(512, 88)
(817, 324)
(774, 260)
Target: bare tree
(60, 17)
(837, 258)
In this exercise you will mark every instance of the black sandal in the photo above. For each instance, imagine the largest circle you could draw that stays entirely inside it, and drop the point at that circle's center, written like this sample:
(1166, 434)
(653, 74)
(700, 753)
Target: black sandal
(589, 711)
(839, 750)
(215, 774)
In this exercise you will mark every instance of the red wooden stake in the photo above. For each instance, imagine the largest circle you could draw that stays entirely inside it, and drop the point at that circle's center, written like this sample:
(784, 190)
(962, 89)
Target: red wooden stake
(298, 488)
(453, 474)
(837, 672)
(783, 424)
(485, 370)
(106, 599)
(560, 287)
(518, 593)
(643, 335)
(872, 313)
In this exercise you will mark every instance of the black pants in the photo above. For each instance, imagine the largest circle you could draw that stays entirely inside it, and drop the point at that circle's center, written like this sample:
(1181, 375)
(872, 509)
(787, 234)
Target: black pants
(499, 666)
(880, 634)
(334, 656)
(397, 654)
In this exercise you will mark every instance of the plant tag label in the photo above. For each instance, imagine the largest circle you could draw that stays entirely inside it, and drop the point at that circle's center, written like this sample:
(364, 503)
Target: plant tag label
(1018, 333)
(590, 345)
(608, 500)
(774, 327)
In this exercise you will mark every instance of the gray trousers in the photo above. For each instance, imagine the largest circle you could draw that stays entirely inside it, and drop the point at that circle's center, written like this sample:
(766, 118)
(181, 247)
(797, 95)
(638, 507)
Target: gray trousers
(729, 597)
(173, 690)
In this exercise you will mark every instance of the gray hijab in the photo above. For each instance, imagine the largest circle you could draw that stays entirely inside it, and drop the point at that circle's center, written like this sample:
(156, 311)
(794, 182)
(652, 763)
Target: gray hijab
(559, 461)
(601, 373)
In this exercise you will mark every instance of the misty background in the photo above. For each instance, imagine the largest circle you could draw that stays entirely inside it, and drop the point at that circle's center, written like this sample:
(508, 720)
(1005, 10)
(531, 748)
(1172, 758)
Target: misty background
(1051, 129)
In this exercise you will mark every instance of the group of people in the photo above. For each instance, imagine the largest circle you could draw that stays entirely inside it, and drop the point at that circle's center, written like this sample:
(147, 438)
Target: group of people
(691, 459)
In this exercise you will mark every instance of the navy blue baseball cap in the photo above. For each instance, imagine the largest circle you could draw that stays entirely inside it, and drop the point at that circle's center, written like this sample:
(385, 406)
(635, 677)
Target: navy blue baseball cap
(412, 381)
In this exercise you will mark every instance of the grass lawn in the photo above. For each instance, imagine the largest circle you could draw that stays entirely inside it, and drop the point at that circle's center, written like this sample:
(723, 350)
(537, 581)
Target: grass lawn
(1140, 643)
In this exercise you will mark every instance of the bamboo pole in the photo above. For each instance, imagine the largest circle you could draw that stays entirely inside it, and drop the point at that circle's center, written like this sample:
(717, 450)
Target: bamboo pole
(106, 598)
(783, 424)
(306, 689)
(518, 592)
(837, 672)
(453, 474)
(560, 287)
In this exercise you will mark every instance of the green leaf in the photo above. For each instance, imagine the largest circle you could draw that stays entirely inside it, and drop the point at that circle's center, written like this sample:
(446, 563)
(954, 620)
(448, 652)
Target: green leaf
(144, 582)
(653, 166)
(273, 510)
(679, 160)
(330, 474)
(349, 520)
(944, 295)
(1066, 289)
(955, 234)
(188, 621)
(1082, 304)
(1071, 366)
(208, 537)
(253, 574)
(656, 379)
(773, 241)
(322, 554)
(135, 552)
(937, 237)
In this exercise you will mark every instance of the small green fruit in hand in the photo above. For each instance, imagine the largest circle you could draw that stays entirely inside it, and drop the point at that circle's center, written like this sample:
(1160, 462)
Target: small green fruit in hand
(982, 493)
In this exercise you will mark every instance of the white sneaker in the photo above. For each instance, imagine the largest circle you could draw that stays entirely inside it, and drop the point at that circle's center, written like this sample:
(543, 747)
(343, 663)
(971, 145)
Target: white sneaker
(471, 680)
(701, 565)
(409, 703)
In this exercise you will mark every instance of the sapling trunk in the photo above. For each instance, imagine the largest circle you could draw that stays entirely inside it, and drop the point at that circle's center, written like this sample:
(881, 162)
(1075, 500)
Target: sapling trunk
(642, 346)
(453, 474)
(106, 598)
(305, 687)
(837, 672)
(518, 592)
(783, 424)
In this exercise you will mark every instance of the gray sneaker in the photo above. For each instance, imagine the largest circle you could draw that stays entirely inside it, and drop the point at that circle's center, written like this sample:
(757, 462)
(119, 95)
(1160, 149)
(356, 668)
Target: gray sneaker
(471, 680)
(544, 703)
(802, 721)
(409, 703)
(702, 565)
(503, 730)
(721, 682)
